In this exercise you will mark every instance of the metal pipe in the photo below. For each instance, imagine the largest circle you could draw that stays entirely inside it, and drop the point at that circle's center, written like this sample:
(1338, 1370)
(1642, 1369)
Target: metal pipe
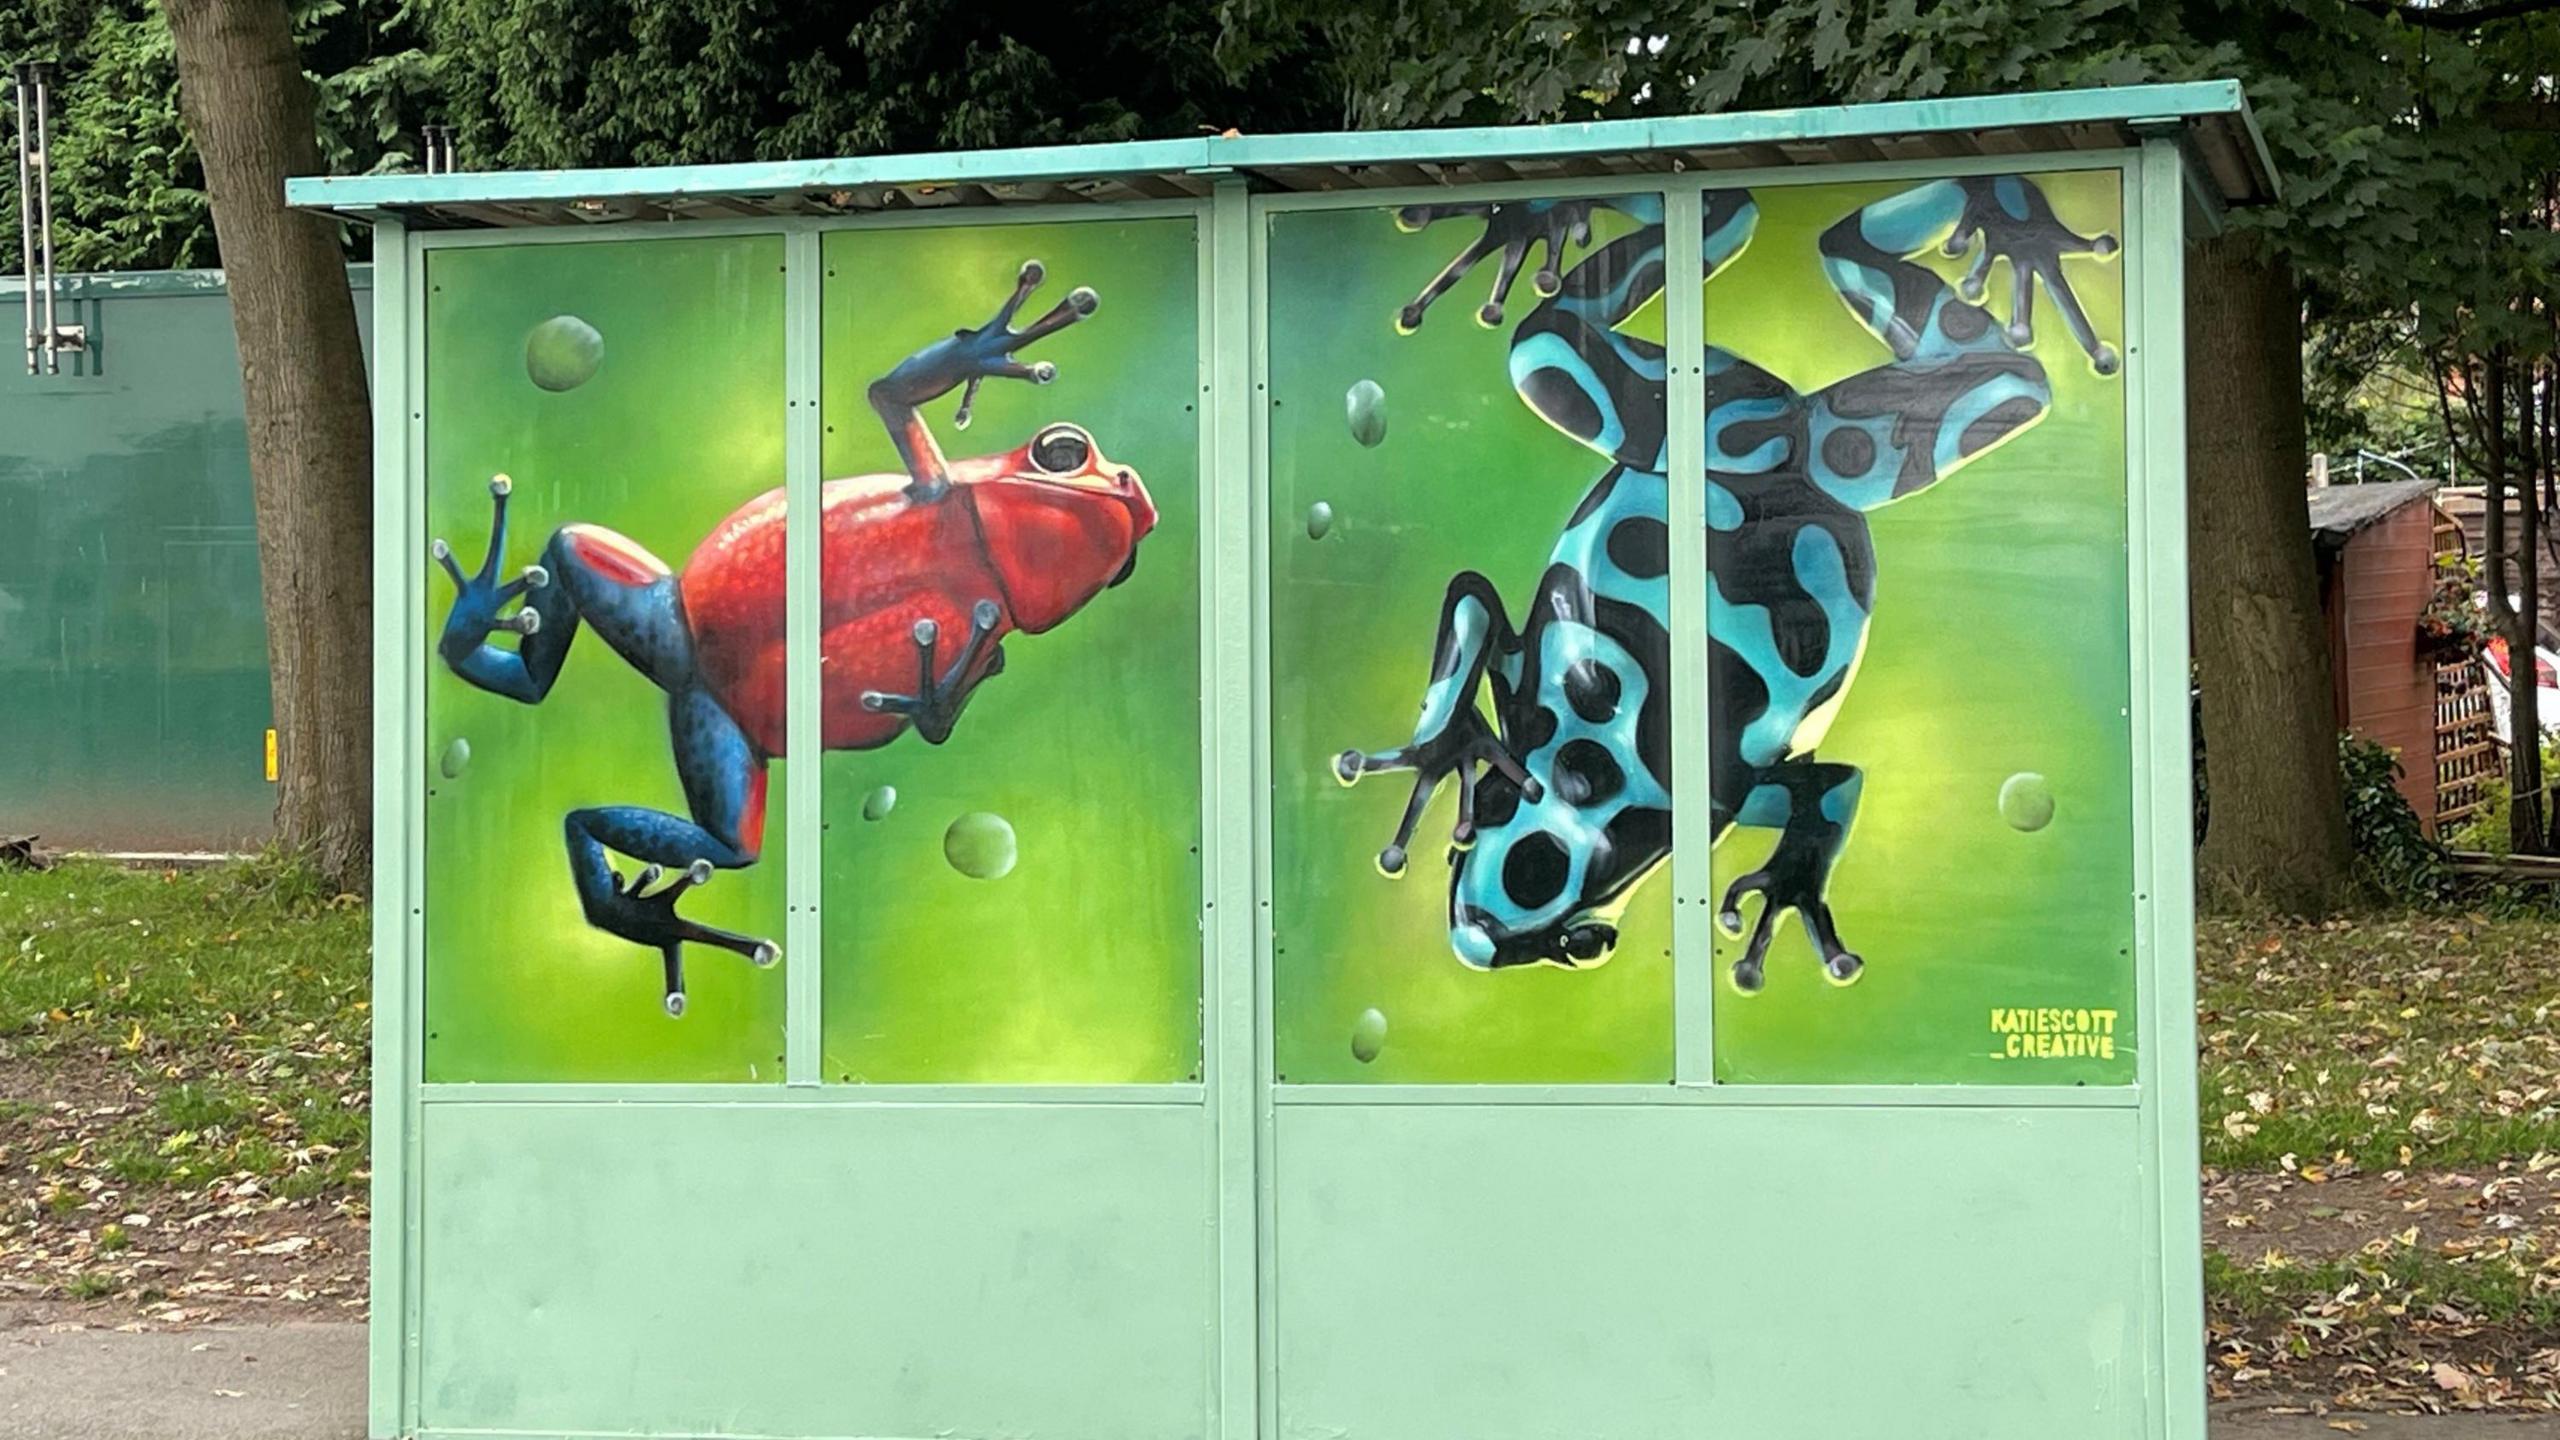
(44, 216)
(26, 224)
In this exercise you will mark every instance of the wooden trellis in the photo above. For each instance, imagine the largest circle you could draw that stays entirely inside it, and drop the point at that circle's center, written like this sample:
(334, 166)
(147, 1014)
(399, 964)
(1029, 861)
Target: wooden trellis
(2466, 746)
(2466, 741)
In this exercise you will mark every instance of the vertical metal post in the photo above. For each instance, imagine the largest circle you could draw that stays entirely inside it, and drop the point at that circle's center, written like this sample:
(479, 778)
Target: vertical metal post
(804, 717)
(1693, 960)
(26, 221)
(44, 222)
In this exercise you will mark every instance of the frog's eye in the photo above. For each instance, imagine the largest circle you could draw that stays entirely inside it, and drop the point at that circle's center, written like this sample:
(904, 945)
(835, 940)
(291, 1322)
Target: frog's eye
(1061, 450)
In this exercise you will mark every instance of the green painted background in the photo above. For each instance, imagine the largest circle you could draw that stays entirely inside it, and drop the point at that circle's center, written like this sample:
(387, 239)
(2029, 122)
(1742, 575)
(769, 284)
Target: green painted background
(1082, 964)
(1466, 478)
(681, 424)
(1998, 646)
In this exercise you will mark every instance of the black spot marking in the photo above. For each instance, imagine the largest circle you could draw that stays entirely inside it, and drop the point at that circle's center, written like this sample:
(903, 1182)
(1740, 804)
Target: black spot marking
(1565, 405)
(1641, 546)
(1537, 727)
(1497, 800)
(1592, 689)
(1848, 450)
(1533, 874)
(1962, 323)
(1586, 773)
(1997, 422)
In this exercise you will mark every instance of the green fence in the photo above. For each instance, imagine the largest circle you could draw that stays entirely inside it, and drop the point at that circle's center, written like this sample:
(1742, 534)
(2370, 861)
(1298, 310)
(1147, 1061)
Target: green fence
(133, 671)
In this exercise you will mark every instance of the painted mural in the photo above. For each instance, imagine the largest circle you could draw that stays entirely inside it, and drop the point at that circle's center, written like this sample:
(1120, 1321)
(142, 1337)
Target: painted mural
(1854, 360)
(592, 408)
(934, 570)
(1470, 599)
(1012, 898)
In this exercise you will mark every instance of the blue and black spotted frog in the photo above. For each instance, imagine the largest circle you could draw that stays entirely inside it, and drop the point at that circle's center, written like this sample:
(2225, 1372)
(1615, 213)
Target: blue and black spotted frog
(1564, 794)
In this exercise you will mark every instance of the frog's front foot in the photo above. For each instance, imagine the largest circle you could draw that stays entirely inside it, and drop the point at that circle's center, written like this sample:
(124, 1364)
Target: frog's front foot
(1466, 748)
(646, 916)
(941, 692)
(478, 596)
(1787, 882)
(1511, 229)
(2012, 219)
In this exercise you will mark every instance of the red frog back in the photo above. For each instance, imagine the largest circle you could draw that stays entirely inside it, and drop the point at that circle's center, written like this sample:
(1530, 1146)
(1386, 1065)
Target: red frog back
(1037, 531)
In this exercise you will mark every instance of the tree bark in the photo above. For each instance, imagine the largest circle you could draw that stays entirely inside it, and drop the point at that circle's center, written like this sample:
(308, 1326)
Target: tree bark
(2277, 828)
(250, 109)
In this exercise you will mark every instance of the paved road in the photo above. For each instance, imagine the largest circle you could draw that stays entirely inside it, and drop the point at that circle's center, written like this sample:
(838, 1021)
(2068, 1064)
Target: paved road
(282, 1382)
(306, 1382)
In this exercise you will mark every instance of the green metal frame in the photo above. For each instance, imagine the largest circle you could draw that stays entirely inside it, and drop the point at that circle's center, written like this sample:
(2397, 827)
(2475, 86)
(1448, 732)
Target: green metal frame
(1236, 1093)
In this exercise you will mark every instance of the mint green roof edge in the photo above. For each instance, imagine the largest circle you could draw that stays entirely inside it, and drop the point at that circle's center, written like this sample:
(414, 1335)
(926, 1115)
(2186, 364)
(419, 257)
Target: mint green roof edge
(2178, 102)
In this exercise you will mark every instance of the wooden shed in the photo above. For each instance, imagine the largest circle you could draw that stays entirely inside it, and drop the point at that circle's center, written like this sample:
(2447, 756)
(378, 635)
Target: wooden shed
(2375, 546)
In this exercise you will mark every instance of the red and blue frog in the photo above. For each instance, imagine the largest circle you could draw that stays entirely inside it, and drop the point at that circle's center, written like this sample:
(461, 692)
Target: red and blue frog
(923, 576)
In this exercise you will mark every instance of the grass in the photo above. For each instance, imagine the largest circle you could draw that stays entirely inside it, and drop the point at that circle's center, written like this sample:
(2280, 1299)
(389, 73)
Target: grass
(2395, 1039)
(235, 998)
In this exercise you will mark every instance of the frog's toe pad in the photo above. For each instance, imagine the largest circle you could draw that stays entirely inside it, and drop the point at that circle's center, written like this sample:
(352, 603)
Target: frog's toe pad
(1747, 977)
(2106, 359)
(675, 1004)
(765, 955)
(1843, 969)
(1347, 768)
(1391, 862)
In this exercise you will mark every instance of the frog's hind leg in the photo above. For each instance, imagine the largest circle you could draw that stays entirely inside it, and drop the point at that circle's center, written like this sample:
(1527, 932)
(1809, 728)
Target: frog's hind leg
(588, 575)
(1811, 803)
(724, 787)
(1451, 737)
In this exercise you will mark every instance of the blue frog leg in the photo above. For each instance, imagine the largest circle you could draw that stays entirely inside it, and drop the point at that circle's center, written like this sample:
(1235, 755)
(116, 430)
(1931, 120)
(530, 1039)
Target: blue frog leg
(592, 577)
(1475, 642)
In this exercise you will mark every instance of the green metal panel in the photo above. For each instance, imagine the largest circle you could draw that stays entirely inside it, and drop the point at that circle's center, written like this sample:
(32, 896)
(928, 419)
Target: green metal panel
(876, 1270)
(1487, 1272)
(133, 662)
(1244, 1259)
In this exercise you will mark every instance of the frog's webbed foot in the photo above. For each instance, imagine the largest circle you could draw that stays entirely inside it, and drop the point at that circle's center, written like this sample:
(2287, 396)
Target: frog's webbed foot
(646, 916)
(1784, 885)
(1812, 804)
(995, 341)
(967, 358)
(2014, 222)
(1512, 229)
(479, 596)
(1466, 749)
(942, 692)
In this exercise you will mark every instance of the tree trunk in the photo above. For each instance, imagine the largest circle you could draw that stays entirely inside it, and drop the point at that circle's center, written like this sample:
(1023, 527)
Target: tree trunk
(2277, 833)
(245, 100)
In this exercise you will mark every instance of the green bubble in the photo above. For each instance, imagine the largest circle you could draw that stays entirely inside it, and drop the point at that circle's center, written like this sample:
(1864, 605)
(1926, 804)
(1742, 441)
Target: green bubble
(563, 352)
(457, 756)
(1319, 520)
(1367, 404)
(980, 846)
(878, 804)
(2026, 801)
(1368, 1035)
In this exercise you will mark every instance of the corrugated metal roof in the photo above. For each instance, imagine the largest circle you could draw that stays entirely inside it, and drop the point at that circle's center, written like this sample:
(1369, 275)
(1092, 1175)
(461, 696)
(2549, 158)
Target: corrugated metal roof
(2228, 158)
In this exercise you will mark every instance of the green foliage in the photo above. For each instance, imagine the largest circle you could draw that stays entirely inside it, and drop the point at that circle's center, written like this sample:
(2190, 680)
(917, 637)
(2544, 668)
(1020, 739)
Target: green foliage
(572, 82)
(127, 191)
(2393, 853)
